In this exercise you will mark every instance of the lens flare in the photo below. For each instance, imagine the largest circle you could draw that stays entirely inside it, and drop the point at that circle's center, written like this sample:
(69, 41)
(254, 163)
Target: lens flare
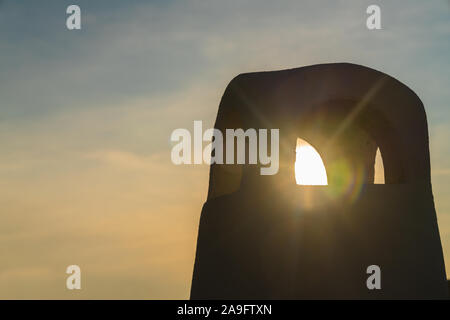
(346, 181)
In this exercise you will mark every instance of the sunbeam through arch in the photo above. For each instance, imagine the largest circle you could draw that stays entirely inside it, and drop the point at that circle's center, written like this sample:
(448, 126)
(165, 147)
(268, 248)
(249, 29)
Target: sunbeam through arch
(309, 167)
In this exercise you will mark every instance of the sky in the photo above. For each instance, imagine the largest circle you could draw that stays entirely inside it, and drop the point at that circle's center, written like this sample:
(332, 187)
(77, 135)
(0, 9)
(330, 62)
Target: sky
(86, 117)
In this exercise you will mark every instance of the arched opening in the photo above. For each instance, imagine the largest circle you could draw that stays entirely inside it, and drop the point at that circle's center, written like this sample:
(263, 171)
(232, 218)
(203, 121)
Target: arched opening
(309, 167)
(379, 169)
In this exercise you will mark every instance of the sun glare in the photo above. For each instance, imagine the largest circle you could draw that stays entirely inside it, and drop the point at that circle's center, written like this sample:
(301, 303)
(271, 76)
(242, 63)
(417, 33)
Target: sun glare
(309, 167)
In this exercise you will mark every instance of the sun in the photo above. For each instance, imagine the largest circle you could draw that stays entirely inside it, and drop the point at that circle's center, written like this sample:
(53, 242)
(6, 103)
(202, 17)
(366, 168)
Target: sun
(309, 167)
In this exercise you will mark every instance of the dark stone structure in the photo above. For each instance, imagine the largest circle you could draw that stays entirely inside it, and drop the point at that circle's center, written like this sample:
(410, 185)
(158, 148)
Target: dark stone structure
(264, 237)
